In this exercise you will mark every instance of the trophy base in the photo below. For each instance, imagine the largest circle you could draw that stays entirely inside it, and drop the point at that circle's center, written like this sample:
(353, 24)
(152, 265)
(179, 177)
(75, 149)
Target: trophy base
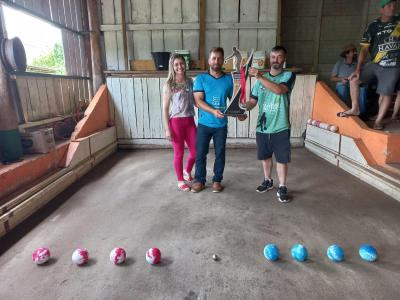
(235, 115)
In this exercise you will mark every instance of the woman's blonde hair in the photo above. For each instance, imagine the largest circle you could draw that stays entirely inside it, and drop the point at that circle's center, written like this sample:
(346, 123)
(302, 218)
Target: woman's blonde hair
(171, 72)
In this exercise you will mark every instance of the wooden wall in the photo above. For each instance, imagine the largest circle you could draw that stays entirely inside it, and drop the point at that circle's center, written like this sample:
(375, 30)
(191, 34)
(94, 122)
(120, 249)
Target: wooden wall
(167, 25)
(45, 97)
(136, 108)
(314, 31)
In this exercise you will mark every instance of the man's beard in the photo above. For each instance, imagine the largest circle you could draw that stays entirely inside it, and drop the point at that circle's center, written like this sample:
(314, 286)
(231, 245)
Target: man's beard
(276, 66)
(216, 67)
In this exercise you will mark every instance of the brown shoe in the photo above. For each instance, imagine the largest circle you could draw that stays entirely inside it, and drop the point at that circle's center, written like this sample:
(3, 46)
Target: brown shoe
(217, 187)
(197, 187)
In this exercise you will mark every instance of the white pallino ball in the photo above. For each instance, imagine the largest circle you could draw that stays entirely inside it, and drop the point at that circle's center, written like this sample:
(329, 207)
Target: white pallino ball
(80, 256)
(41, 255)
(153, 256)
(118, 256)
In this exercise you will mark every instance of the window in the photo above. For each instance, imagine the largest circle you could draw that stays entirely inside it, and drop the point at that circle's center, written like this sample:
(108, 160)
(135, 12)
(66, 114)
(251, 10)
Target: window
(42, 41)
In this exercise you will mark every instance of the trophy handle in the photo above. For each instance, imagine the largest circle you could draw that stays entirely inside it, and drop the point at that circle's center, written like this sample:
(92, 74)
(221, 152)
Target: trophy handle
(236, 107)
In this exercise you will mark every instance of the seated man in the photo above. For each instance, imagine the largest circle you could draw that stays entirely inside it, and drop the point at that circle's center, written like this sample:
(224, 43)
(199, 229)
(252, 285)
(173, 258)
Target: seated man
(381, 40)
(340, 73)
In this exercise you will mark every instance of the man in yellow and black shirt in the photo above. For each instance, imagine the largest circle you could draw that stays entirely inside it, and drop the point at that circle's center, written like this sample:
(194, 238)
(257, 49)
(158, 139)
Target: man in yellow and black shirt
(382, 41)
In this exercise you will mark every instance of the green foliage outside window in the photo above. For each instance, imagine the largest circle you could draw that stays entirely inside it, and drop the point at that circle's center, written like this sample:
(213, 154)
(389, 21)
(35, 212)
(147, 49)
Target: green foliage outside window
(51, 62)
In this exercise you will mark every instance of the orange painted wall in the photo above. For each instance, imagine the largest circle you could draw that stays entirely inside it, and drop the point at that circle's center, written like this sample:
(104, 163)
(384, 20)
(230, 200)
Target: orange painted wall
(382, 147)
(97, 115)
(17, 175)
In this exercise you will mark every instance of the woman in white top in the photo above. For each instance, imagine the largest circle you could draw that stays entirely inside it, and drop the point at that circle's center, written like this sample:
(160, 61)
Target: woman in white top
(178, 117)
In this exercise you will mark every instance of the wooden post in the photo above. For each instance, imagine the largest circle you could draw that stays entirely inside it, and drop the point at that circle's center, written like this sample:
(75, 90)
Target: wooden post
(317, 36)
(95, 49)
(364, 17)
(124, 35)
(279, 29)
(86, 39)
(202, 33)
(8, 117)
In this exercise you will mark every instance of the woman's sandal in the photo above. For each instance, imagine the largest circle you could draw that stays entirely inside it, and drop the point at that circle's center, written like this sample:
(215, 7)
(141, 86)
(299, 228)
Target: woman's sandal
(183, 187)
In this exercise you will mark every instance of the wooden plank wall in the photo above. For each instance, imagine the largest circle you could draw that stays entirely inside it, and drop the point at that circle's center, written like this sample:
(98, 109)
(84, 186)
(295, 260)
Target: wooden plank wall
(167, 25)
(136, 108)
(314, 31)
(47, 97)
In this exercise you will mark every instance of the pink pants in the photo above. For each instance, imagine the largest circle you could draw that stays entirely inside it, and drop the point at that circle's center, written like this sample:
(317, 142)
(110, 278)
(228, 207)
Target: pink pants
(183, 130)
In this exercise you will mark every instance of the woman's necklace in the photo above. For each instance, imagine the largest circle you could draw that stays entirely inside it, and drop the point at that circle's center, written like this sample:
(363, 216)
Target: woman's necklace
(179, 85)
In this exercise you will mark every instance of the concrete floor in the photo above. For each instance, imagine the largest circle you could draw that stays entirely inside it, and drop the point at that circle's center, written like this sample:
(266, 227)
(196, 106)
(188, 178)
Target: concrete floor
(131, 201)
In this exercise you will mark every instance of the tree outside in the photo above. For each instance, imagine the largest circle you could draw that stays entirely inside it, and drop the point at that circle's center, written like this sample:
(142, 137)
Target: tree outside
(51, 62)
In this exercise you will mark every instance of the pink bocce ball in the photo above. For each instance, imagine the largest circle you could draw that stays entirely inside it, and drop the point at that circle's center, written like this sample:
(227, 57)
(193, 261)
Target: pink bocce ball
(118, 256)
(41, 255)
(153, 256)
(80, 256)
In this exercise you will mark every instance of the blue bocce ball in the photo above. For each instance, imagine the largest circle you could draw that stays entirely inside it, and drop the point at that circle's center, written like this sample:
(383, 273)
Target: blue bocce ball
(368, 253)
(335, 253)
(271, 252)
(299, 252)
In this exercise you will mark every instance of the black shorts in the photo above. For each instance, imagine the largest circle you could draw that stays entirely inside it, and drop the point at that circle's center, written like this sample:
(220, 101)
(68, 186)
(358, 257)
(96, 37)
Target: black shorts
(274, 143)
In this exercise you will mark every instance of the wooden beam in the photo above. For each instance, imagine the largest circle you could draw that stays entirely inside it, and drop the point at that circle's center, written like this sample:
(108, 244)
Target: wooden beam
(86, 39)
(364, 17)
(124, 39)
(317, 36)
(190, 26)
(202, 33)
(94, 27)
(279, 27)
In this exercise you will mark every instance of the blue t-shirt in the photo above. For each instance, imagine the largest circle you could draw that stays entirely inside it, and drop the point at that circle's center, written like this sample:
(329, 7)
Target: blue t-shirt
(216, 91)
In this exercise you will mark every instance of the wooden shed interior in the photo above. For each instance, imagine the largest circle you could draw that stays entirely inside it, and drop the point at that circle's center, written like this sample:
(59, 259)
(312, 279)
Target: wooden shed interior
(66, 177)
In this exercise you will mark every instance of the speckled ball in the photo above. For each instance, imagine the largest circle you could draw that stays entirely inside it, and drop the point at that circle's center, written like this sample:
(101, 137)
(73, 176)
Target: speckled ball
(80, 256)
(118, 256)
(335, 253)
(153, 256)
(368, 253)
(41, 255)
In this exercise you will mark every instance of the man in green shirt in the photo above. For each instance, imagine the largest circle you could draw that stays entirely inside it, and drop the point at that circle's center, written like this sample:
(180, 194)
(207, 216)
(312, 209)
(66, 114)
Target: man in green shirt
(271, 92)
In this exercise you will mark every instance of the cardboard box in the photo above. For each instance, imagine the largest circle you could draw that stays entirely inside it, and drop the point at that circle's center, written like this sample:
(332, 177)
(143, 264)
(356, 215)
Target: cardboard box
(38, 141)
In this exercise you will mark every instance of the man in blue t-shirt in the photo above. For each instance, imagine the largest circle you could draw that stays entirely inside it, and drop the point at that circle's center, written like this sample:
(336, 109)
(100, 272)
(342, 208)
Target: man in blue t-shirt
(211, 91)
